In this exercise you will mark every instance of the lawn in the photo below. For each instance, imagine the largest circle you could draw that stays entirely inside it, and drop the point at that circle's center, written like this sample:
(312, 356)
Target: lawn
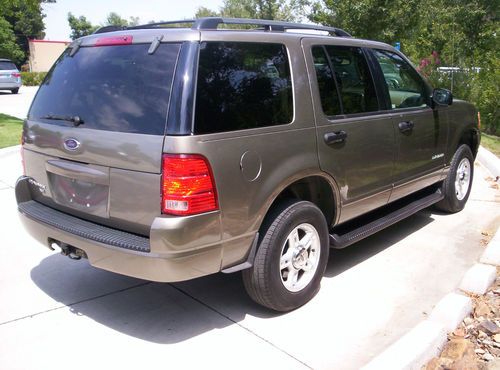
(491, 142)
(10, 130)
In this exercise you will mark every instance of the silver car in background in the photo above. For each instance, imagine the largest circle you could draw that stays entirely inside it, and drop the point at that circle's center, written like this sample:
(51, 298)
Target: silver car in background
(10, 77)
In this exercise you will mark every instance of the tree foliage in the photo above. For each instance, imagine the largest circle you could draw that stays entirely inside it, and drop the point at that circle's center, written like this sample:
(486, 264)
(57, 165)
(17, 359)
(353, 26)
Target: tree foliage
(25, 21)
(433, 33)
(8, 46)
(81, 26)
(288, 10)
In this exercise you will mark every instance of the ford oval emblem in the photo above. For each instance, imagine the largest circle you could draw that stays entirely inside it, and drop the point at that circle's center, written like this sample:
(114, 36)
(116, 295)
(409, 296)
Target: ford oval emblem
(71, 144)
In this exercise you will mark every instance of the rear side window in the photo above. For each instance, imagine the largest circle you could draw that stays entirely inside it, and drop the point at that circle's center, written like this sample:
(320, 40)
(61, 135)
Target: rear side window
(354, 79)
(7, 66)
(115, 88)
(242, 86)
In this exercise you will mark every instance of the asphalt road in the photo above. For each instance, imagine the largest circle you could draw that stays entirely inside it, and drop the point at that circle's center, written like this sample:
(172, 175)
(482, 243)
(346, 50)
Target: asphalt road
(57, 313)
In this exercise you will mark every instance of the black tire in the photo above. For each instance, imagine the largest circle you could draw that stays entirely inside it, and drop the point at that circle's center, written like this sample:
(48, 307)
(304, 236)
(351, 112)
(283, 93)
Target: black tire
(14, 91)
(452, 202)
(264, 281)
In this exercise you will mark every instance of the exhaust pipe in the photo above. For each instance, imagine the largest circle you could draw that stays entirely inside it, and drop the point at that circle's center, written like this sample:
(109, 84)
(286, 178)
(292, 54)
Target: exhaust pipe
(74, 256)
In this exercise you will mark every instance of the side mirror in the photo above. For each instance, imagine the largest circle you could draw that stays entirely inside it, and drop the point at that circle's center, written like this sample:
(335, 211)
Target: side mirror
(442, 97)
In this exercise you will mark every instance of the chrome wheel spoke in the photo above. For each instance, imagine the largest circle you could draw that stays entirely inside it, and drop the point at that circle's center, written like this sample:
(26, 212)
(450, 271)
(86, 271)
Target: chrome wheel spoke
(292, 277)
(286, 259)
(307, 240)
(293, 239)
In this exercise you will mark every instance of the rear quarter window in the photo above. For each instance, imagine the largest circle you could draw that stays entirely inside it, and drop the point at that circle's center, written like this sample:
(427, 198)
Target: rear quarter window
(242, 86)
(115, 88)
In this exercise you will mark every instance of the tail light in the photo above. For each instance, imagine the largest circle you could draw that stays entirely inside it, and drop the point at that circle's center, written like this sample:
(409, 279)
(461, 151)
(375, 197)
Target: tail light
(188, 185)
(16, 75)
(478, 119)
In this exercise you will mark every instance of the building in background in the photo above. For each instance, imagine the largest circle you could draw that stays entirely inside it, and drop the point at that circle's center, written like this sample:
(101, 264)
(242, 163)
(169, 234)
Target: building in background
(43, 54)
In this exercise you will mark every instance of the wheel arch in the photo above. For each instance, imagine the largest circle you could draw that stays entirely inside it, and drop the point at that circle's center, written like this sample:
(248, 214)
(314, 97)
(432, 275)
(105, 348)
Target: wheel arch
(317, 188)
(472, 137)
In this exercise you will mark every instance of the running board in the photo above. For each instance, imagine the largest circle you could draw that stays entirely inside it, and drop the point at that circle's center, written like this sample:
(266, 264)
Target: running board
(343, 239)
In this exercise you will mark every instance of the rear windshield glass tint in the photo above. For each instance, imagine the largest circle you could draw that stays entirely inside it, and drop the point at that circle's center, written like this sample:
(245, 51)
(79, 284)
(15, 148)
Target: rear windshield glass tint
(7, 66)
(242, 86)
(114, 88)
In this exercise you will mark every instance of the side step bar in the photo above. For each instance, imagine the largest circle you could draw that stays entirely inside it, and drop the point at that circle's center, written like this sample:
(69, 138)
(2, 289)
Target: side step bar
(348, 237)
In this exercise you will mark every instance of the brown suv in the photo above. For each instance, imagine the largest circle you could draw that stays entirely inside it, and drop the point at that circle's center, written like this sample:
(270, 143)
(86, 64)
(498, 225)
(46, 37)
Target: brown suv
(170, 153)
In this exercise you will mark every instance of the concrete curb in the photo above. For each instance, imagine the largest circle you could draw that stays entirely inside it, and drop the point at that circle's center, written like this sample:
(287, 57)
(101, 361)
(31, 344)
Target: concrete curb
(426, 340)
(491, 255)
(489, 160)
(9, 150)
(478, 279)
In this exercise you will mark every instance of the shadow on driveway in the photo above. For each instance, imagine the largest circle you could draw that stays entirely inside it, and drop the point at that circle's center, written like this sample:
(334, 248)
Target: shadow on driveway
(171, 313)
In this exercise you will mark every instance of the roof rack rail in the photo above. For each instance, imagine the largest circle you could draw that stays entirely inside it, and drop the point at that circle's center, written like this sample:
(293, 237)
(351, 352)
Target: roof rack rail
(110, 29)
(212, 23)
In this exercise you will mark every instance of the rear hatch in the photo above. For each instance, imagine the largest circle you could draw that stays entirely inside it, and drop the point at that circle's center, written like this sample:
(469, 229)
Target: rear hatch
(94, 134)
(9, 74)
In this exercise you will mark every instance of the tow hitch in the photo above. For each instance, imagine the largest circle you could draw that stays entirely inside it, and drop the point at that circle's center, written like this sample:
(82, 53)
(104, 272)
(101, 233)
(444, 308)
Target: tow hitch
(67, 250)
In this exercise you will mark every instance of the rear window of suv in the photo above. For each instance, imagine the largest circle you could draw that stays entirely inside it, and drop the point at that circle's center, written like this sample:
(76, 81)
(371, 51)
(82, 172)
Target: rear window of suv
(242, 85)
(7, 66)
(114, 88)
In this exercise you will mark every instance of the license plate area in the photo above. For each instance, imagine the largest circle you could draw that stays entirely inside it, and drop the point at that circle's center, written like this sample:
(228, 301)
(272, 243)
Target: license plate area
(80, 195)
(81, 187)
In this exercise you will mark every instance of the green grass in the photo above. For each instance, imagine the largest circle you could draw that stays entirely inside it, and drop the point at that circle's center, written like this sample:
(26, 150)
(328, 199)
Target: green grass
(491, 142)
(10, 130)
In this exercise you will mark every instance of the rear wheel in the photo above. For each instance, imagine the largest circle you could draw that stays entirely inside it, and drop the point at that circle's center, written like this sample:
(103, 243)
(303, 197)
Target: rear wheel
(291, 258)
(457, 185)
(15, 91)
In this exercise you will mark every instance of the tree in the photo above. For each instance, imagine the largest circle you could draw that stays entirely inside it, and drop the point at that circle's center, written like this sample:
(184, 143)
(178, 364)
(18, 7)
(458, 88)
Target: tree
(205, 12)
(385, 20)
(80, 26)
(462, 33)
(114, 19)
(25, 18)
(287, 10)
(8, 47)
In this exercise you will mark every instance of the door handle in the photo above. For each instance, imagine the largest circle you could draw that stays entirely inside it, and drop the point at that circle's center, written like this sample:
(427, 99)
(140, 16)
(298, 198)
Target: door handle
(335, 137)
(406, 126)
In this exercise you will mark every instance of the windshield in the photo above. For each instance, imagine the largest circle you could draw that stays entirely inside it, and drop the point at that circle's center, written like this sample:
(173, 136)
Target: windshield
(7, 66)
(115, 88)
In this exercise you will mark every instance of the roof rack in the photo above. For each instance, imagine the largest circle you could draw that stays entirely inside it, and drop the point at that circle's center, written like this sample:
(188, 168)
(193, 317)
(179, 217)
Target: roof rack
(110, 29)
(212, 23)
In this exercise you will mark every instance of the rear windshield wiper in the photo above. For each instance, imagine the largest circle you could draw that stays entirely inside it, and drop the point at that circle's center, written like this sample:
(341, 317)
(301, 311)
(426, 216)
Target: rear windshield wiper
(77, 120)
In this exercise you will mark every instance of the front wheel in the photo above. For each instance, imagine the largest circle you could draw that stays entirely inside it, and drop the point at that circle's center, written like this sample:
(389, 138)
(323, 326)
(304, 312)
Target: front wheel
(457, 185)
(15, 91)
(291, 258)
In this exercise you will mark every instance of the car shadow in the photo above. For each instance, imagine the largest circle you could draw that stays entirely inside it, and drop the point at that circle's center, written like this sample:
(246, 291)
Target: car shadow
(171, 313)
(341, 260)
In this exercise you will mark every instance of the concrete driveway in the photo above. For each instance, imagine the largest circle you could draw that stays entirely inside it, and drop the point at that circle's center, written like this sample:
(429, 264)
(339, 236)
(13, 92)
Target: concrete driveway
(57, 313)
(17, 105)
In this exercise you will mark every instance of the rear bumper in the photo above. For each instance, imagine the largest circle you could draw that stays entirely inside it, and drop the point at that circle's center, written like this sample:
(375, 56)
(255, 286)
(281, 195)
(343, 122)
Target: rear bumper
(179, 248)
(10, 85)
